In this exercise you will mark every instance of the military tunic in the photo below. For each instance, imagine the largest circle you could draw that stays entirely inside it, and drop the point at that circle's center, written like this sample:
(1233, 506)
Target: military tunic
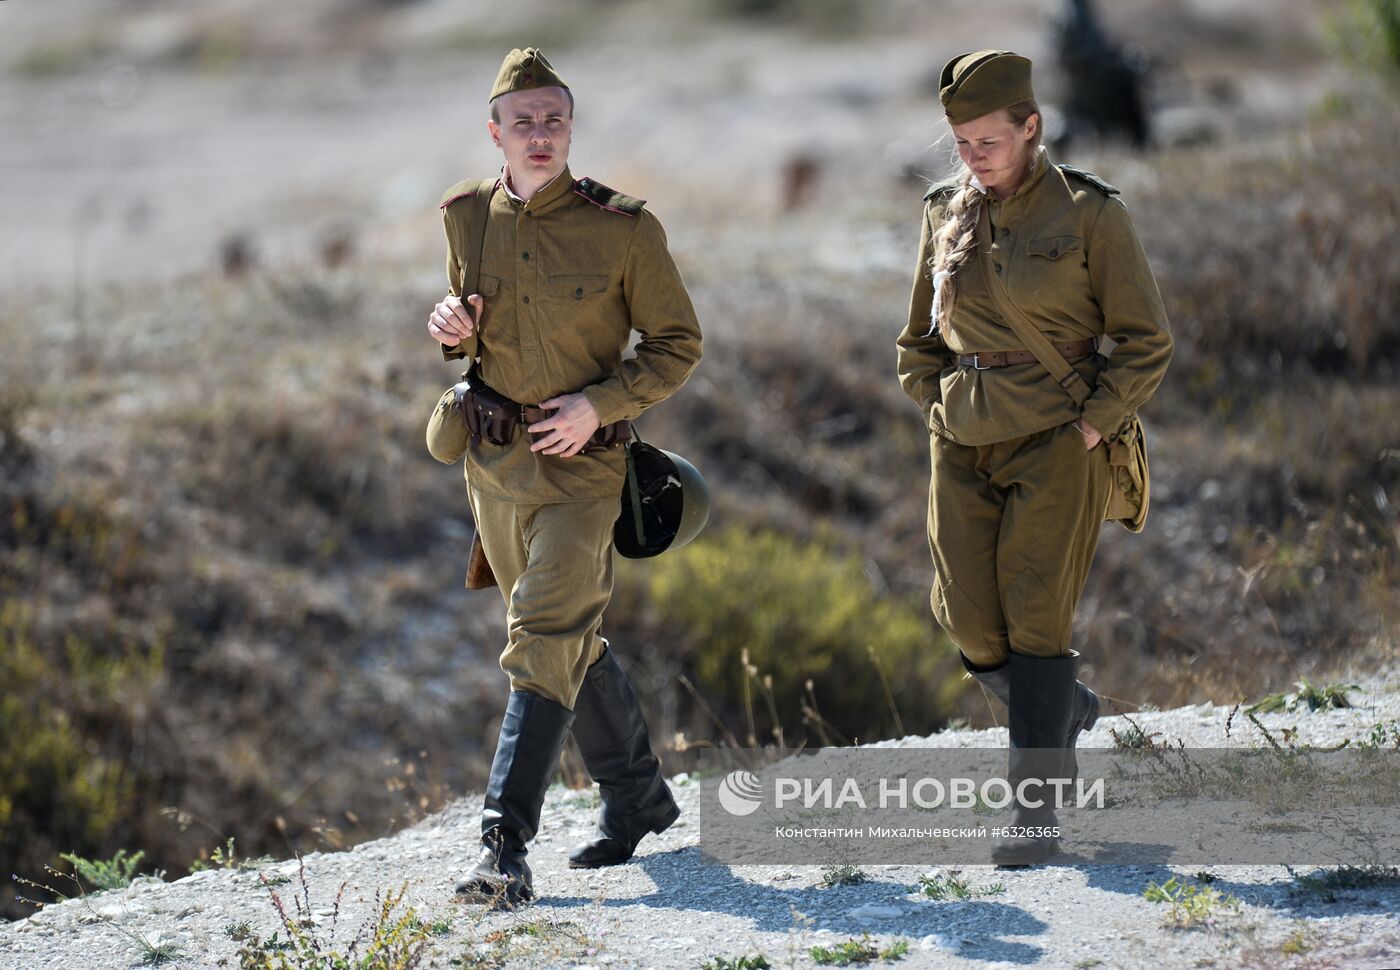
(566, 277)
(1015, 501)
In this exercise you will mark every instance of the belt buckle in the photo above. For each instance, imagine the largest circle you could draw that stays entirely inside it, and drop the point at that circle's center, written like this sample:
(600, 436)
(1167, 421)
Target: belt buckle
(977, 363)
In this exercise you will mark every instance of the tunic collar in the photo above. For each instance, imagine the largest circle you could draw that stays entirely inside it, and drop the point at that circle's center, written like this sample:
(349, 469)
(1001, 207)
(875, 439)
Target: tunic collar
(546, 196)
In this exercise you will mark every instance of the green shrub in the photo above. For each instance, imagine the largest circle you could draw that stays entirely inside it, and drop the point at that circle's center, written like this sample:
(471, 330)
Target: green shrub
(1368, 33)
(853, 951)
(1191, 906)
(946, 886)
(1306, 695)
(114, 873)
(58, 789)
(755, 961)
(842, 874)
(392, 938)
(799, 612)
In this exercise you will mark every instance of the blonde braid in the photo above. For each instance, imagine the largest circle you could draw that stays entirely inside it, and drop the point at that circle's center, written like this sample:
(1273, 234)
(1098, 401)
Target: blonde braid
(955, 242)
(956, 239)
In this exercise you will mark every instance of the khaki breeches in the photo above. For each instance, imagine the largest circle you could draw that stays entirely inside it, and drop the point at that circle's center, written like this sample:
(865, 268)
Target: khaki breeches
(1013, 527)
(554, 567)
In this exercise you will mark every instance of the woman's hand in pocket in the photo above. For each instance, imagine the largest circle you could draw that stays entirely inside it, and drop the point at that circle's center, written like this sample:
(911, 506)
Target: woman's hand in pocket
(1090, 433)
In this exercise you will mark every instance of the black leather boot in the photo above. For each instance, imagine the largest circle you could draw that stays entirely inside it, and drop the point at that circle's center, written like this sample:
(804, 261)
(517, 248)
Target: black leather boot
(1082, 718)
(612, 737)
(1040, 718)
(527, 755)
(997, 680)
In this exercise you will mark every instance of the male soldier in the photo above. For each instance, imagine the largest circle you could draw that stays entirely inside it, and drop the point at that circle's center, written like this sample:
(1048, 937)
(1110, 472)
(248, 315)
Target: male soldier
(568, 269)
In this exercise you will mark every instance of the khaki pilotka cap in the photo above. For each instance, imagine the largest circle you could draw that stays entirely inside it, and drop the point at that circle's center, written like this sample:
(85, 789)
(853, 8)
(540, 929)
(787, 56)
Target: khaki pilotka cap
(524, 70)
(976, 84)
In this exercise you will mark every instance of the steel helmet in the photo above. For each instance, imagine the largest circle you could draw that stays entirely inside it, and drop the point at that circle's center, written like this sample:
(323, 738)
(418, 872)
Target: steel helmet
(665, 503)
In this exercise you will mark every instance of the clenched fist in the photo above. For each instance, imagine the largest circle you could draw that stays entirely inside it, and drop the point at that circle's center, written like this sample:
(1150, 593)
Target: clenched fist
(452, 321)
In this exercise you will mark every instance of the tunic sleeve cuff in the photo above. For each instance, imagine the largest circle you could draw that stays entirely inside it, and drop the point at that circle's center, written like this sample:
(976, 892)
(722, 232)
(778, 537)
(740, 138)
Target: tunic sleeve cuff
(610, 402)
(1108, 416)
(465, 348)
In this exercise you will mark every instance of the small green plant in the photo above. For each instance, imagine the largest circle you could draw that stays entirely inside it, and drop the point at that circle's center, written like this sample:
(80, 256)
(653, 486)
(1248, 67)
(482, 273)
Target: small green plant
(438, 927)
(862, 950)
(1386, 734)
(755, 962)
(392, 938)
(537, 941)
(843, 874)
(1135, 738)
(1191, 906)
(946, 886)
(226, 857)
(153, 949)
(156, 951)
(1306, 694)
(114, 873)
(1296, 944)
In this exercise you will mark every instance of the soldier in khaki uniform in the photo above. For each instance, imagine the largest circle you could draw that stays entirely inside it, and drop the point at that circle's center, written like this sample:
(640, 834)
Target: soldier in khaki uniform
(568, 269)
(1020, 474)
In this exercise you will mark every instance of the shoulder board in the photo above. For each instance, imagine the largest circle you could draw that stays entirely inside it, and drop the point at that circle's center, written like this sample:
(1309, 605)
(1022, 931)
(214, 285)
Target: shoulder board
(463, 190)
(940, 191)
(606, 198)
(1089, 177)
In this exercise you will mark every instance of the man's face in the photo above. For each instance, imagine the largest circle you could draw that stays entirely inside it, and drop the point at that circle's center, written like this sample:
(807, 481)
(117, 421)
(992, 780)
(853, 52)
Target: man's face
(533, 134)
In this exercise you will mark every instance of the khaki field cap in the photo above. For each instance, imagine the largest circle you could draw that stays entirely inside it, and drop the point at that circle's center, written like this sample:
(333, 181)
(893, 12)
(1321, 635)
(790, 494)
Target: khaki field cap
(976, 84)
(524, 70)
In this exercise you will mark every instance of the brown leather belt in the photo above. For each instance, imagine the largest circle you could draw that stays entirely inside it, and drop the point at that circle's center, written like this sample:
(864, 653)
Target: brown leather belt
(607, 436)
(987, 359)
(493, 416)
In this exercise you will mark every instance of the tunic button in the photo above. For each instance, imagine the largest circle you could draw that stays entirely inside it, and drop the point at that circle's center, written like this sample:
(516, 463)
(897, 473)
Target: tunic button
(578, 293)
(524, 255)
(527, 299)
(998, 266)
(1054, 254)
(1005, 232)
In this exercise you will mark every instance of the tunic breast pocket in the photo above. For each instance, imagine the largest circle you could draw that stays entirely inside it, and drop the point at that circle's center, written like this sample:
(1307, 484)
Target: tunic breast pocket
(1055, 247)
(576, 288)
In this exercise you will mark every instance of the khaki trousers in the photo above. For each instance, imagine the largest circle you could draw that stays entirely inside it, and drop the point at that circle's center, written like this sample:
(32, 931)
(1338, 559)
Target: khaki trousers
(554, 566)
(1013, 527)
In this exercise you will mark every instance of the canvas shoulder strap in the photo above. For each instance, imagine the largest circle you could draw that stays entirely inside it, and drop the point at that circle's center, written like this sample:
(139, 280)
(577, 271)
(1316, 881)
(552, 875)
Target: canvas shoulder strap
(1028, 333)
(469, 226)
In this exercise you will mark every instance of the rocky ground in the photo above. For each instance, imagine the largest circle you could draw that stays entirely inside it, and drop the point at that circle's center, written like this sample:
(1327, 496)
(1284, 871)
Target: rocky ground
(671, 908)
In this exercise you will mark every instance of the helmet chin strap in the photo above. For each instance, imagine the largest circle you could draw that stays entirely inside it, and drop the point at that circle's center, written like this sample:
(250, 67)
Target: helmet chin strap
(634, 493)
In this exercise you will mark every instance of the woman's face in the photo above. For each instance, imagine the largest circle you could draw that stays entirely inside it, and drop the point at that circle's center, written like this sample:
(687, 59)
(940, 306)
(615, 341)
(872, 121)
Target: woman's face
(996, 149)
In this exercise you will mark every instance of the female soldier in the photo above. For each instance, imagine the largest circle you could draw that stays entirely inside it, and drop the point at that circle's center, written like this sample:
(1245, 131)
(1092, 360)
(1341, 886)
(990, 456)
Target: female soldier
(1020, 479)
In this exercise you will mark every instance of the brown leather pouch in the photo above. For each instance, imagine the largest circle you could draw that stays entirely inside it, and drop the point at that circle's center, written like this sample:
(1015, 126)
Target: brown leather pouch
(610, 436)
(479, 574)
(488, 414)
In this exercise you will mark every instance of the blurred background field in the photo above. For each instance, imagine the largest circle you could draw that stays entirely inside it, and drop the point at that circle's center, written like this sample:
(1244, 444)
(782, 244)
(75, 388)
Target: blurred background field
(230, 575)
